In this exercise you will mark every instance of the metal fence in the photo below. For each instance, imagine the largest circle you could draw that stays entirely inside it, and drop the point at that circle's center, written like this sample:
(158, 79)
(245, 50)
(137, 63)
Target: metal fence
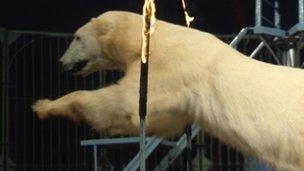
(1, 117)
(30, 71)
(32, 74)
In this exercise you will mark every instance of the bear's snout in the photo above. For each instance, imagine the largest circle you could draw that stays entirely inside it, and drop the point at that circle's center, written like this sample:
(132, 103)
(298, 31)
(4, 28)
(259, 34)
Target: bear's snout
(63, 65)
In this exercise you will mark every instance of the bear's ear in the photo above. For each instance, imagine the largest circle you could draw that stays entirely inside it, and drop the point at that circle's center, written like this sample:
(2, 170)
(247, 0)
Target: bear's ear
(94, 22)
(102, 26)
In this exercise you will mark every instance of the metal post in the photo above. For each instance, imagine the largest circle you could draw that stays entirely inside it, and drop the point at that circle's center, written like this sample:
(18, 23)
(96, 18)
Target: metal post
(257, 50)
(189, 147)
(142, 151)
(258, 13)
(275, 57)
(180, 145)
(143, 92)
(301, 11)
(148, 13)
(291, 56)
(277, 16)
(95, 158)
(234, 43)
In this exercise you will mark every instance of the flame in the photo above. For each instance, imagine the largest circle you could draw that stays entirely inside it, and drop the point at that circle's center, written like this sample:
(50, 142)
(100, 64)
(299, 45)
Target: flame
(187, 16)
(148, 25)
(147, 29)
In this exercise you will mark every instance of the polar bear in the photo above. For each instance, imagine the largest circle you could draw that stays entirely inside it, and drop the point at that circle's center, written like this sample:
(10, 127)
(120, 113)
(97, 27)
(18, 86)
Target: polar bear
(255, 107)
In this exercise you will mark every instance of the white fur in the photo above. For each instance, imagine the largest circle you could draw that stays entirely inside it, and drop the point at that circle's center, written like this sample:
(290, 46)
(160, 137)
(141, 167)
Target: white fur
(85, 46)
(255, 107)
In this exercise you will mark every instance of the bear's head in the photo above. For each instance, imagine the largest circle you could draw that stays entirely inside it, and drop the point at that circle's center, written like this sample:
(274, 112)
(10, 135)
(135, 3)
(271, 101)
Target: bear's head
(110, 41)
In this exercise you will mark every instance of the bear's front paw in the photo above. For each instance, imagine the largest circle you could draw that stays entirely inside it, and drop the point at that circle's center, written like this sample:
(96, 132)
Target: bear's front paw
(41, 107)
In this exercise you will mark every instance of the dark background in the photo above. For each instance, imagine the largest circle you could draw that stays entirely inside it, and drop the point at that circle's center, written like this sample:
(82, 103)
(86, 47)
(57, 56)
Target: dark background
(216, 16)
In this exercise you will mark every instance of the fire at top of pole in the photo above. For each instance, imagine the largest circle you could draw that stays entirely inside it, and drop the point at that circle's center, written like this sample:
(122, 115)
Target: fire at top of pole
(187, 16)
(148, 29)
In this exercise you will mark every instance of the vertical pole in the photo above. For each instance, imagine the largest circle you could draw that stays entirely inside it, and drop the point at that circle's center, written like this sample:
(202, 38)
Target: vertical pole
(142, 150)
(143, 90)
(291, 56)
(188, 21)
(148, 15)
(277, 16)
(189, 147)
(301, 11)
(258, 13)
(95, 158)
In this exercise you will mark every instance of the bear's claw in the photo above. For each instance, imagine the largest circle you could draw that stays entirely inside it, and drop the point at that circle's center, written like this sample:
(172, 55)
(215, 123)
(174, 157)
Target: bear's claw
(41, 107)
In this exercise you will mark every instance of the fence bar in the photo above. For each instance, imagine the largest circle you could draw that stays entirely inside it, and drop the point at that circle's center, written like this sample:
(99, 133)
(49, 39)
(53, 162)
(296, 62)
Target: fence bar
(4, 91)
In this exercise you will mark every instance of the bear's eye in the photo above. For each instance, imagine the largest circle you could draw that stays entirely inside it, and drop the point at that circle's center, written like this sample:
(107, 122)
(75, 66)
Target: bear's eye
(77, 38)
